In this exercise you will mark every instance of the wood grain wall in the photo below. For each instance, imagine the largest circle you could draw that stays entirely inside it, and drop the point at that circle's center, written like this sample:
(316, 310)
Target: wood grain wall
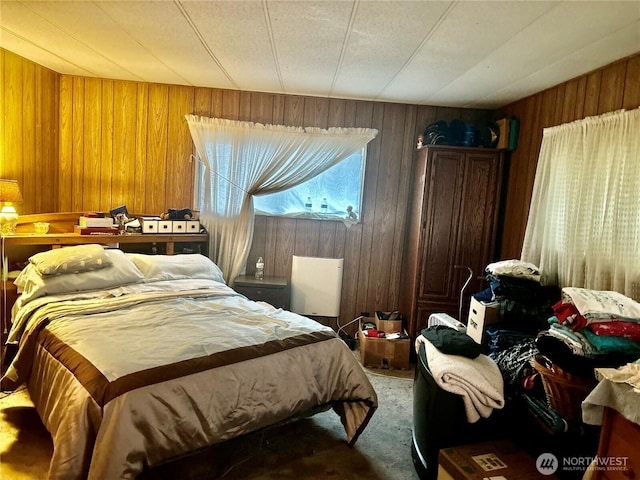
(128, 143)
(29, 102)
(609, 88)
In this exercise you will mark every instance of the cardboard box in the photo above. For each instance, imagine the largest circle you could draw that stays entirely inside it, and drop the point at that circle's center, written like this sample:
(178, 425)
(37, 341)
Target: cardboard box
(388, 326)
(478, 461)
(383, 352)
(480, 316)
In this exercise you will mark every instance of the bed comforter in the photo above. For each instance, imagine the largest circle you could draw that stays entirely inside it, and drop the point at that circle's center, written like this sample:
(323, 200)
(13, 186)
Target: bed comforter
(134, 376)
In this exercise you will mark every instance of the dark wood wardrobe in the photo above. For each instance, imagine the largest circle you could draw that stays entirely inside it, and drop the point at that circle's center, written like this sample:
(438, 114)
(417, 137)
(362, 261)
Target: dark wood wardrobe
(453, 219)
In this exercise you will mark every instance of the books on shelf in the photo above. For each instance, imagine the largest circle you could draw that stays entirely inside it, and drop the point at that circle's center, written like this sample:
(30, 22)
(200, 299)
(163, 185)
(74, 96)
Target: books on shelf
(103, 222)
(78, 230)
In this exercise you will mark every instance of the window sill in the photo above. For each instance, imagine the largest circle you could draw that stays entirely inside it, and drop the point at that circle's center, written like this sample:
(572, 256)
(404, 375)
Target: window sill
(312, 216)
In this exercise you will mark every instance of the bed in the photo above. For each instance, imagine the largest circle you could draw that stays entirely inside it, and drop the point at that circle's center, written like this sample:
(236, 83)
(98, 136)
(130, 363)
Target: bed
(132, 360)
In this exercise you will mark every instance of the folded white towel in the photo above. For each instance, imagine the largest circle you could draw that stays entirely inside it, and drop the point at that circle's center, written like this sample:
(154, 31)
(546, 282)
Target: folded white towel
(597, 304)
(477, 380)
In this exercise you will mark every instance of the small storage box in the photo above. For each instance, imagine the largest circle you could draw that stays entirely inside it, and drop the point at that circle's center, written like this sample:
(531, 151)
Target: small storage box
(193, 226)
(480, 316)
(149, 225)
(178, 226)
(383, 352)
(165, 226)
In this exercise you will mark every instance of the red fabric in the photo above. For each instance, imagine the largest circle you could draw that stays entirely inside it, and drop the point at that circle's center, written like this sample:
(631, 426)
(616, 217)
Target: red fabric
(617, 328)
(567, 314)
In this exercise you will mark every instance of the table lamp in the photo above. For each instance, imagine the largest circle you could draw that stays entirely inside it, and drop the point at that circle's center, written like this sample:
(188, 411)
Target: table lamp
(9, 194)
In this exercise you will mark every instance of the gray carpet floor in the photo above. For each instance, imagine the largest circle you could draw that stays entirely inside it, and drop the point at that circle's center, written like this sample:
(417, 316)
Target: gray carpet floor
(312, 448)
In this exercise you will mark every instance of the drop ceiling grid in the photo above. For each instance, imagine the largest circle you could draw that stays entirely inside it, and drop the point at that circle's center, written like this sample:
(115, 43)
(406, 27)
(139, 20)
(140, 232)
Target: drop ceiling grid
(583, 60)
(309, 38)
(237, 34)
(375, 45)
(47, 35)
(175, 44)
(539, 48)
(469, 46)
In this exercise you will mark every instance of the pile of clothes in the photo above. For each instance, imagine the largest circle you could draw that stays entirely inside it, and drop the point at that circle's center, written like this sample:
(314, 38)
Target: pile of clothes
(524, 304)
(591, 329)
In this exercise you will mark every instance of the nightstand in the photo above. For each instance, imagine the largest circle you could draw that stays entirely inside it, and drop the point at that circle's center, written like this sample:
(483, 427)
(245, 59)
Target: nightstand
(273, 290)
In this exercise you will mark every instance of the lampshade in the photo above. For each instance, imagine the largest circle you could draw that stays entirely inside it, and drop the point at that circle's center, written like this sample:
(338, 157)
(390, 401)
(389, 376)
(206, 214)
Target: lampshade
(10, 191)
(9, 194)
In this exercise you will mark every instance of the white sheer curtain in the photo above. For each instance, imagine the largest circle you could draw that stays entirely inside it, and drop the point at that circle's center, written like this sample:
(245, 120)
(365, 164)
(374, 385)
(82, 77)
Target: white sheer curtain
(243, 159)
(584, 222)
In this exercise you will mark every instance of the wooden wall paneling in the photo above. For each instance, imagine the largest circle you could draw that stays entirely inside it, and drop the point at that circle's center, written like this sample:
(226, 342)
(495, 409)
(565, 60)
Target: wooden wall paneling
(3, 143)
(35, 131)
(29, 186)
(631, 86)
(612, 87)
(592, 94)
(316, 112)
(271, 248)
(29, 127)
(354, 116)
(559, 102)
(389, 171)
(92, 144)
(277, 114)
(157, 149)
(179, 193)
(124, 146)
(48, 127)
(307, 238)
(258, 247)
(580, 98)
(108, 139)
(202, 102)
(364, 295)
(231, 105)
(327, 239)
(12, 116)
(217, 101)
(262, 108)
(141, 161)
(407, 150)
(77, 162)
(244, 112)
(65, 161)
(285, 240)
(337, 109)
(569, 102)
(293, 111)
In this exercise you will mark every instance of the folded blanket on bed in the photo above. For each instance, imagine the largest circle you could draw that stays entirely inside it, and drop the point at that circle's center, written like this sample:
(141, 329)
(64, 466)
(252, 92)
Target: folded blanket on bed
(478, 381)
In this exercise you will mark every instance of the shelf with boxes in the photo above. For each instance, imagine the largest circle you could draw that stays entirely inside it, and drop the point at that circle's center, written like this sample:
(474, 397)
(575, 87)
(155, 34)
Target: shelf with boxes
(156, 225)
(388, 351)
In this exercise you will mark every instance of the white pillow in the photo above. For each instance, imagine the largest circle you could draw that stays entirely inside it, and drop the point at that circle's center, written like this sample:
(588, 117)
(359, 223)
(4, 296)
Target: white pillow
(122, 271)
(176, 267)
(76, 259)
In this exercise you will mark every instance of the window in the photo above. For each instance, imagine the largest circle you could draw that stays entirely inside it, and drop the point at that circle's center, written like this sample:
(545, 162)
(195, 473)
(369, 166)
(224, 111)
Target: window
(341, 186)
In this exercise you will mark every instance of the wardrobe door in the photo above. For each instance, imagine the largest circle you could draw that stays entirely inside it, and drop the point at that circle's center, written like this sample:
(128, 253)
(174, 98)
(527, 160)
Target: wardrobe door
(443, 197)
(475, 245)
